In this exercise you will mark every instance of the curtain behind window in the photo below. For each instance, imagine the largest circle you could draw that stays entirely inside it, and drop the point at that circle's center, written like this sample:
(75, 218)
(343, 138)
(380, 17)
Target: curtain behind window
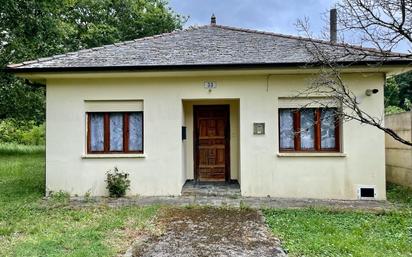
(116, 132)
(96, 132)
(286, 129)
(136, 131)
(307, 129)
(328, 129)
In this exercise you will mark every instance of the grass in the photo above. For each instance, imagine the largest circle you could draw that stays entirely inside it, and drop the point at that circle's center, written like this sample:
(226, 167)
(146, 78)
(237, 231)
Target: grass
(399, 194)
(32, 227)
(326, 232)
(15, 149)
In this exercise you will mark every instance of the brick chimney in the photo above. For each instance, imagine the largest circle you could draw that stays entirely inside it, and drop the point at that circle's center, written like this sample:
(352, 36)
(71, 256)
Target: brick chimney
(333, 25)
(213, 20)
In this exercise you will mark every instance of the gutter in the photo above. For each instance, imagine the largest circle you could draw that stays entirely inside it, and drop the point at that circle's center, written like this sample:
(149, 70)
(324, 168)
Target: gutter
(189, 67)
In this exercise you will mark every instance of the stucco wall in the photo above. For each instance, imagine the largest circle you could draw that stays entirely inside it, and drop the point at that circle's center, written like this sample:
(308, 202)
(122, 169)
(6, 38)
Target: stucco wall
(165, 165)
(398, 155)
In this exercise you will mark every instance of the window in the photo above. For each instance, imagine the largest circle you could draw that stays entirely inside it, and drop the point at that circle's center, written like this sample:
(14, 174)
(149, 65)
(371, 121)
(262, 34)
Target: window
(115, 132)
(308, 129)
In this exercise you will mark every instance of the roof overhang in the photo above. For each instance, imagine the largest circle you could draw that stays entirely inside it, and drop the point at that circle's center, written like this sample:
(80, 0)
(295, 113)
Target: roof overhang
(42, 74)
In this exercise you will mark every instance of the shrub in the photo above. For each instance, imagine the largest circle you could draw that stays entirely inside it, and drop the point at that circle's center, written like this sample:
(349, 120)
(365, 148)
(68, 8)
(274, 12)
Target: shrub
(22, 132)
(34, 136)
(59, 198)
(117, 183)
(393, 109)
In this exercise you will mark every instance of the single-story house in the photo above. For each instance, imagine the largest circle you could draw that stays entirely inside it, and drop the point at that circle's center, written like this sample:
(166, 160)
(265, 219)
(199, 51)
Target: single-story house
(211, 104)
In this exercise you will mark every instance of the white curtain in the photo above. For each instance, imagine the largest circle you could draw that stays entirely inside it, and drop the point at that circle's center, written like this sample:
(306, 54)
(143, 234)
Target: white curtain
(307, 130)
(116, 132)
(286, 129)
(327, 128)
(96, 132)
(136, 131)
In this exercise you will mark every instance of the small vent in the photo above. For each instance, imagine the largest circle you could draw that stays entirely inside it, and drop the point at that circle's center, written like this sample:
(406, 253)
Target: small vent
(366, 192)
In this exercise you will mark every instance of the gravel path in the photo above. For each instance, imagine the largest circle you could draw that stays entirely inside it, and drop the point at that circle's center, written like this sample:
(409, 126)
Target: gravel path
(209, 232)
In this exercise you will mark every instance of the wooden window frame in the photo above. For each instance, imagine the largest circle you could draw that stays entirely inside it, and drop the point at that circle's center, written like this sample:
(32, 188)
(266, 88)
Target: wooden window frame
(106, 131)
(317, 126)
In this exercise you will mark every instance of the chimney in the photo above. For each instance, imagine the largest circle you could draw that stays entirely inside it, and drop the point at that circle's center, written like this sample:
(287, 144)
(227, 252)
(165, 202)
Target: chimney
(333, 25)
(213, 20)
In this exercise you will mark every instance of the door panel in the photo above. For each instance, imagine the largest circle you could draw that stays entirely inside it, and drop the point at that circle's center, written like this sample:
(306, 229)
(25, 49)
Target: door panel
(211, 136)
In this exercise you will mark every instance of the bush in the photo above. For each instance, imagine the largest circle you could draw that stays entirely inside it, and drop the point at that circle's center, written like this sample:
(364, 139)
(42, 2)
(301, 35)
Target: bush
(59, 198)
(117, 183)
(22, 132)
(393, 109)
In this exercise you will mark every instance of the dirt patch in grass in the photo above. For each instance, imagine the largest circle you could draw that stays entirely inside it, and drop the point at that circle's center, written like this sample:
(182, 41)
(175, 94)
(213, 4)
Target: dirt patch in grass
(210, 232)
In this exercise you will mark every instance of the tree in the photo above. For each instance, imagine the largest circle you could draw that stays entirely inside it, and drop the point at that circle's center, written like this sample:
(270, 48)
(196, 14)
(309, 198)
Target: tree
(383, 24)
(404, 82)
(31, 29)
(392, 93)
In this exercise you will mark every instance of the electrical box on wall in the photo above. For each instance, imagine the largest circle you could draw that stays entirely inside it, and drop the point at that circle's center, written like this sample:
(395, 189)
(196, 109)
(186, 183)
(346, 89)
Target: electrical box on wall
(258, 128)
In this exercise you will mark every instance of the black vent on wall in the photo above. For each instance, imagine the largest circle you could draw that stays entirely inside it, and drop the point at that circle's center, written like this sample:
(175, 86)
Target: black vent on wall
(367, 192)
(183, 133)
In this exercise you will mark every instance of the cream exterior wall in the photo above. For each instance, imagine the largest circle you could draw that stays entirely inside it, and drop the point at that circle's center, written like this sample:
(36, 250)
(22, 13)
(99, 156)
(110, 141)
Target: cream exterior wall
(166, 162)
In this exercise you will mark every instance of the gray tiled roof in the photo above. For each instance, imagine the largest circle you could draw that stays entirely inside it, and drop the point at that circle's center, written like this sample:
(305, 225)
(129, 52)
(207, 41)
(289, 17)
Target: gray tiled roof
(205, 45)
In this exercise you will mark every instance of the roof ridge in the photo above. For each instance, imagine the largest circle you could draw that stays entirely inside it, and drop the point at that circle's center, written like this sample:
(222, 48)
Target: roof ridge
(116, 44)
(358, 47)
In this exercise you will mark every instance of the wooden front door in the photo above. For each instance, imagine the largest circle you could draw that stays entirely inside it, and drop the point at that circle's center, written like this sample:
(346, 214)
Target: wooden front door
(211, 142)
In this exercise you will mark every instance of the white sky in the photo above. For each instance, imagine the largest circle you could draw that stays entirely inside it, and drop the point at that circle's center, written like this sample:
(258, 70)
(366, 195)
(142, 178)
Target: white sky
(278, 16)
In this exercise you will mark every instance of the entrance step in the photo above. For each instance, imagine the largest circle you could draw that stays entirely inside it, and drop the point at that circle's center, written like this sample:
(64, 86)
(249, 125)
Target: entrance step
(230, 189)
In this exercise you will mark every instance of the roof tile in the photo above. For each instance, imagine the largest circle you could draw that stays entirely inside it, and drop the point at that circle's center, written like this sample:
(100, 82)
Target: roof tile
(204, 45)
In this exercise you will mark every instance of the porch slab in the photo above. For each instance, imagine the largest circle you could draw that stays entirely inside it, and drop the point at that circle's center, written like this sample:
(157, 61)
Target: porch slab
(193, 188)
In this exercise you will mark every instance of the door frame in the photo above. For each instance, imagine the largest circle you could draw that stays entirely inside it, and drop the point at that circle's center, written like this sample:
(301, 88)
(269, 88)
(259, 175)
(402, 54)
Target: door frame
(196, 109)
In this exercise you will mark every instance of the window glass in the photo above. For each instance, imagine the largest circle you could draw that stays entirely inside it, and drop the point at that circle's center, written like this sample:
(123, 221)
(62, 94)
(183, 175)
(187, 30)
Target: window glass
(286, 129)
(307, 129)
(96, 132)
(116, 132)
(327, 128)
(136, 131)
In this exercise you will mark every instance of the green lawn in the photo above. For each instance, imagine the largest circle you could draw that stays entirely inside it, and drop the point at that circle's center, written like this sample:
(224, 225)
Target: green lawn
(31, 227)
(323, 232)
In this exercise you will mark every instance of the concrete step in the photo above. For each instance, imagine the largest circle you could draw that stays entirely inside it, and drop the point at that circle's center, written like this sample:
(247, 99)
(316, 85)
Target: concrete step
(231, 190)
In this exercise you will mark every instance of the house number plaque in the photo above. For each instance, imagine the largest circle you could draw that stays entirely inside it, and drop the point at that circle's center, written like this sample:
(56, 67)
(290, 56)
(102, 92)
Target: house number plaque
(210, 85)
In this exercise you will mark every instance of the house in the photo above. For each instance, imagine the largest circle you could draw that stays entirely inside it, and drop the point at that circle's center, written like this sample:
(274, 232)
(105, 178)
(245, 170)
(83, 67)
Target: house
(211, 104)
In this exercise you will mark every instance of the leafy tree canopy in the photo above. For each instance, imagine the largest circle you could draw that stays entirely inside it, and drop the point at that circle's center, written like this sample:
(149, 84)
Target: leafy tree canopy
(398, 93)
(30, 29)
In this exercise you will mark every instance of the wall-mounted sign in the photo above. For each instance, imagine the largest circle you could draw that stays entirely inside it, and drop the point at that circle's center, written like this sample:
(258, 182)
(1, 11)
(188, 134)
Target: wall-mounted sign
(258, 128)
(210, 85)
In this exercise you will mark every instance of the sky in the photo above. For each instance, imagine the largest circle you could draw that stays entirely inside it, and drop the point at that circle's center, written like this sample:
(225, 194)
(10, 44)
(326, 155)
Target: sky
(278, 16)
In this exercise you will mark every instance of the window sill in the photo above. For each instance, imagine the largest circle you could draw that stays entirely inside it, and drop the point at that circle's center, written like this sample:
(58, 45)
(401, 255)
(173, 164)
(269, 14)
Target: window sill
(106, 156)
(318, 154)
